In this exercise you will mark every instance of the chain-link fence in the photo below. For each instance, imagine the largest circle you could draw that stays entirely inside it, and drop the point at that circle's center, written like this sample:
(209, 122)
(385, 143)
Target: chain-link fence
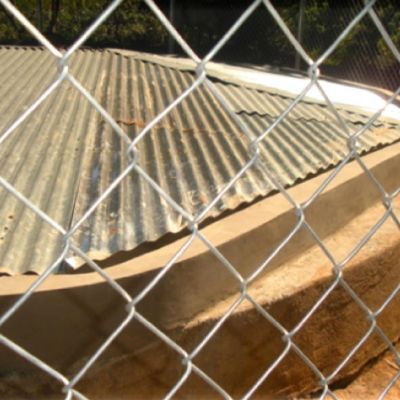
(254, 138)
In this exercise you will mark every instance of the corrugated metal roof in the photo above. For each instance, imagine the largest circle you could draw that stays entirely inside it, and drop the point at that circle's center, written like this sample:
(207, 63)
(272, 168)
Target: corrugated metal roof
(65, 155)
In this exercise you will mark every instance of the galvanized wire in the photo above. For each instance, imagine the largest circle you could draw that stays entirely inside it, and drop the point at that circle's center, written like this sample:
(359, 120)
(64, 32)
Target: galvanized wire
(192, 221)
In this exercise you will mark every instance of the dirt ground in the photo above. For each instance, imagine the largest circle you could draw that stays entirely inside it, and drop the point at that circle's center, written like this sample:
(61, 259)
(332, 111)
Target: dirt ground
(371, 383)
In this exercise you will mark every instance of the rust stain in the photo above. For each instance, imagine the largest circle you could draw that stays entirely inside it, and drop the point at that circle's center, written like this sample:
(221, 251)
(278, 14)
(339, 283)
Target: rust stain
(139, 123)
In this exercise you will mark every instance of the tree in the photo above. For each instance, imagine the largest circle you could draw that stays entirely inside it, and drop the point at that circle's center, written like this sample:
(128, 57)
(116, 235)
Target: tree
(39, 15)
(258, 41)
(54, 12)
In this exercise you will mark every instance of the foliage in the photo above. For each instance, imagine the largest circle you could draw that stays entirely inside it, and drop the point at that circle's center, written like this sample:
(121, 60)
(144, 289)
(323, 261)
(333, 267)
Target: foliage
(63, 21)
(202, 23)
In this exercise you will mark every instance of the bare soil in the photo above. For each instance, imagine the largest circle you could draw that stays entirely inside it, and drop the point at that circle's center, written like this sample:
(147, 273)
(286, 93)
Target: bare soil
(375, 378)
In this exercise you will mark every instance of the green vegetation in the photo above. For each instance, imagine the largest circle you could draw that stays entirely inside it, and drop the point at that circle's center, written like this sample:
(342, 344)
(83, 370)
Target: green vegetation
(259, 41)
(62, 21)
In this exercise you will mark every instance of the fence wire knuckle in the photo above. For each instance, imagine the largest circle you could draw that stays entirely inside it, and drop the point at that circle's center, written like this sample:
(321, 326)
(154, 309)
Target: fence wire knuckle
(337, 268)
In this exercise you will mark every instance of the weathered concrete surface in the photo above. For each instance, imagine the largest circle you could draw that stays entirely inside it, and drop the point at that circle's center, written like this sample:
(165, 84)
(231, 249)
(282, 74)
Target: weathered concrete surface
(246, 344)
(67, 325)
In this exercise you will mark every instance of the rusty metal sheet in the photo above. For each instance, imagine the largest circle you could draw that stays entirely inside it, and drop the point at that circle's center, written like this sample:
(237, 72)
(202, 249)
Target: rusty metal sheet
(65, 155)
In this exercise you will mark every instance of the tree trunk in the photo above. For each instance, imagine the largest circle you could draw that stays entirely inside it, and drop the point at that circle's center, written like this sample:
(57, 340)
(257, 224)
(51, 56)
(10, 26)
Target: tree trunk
(55, 9)
(39, 15)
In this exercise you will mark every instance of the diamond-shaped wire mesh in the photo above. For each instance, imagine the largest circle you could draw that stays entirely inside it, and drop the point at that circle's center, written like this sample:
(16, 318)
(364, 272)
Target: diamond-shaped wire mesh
(246, 284)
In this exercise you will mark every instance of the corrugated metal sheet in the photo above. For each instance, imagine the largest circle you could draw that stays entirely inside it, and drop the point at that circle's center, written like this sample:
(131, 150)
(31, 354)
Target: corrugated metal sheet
(65, 155)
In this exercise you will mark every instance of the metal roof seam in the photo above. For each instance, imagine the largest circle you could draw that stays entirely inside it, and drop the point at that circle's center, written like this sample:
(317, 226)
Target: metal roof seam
(65, 155)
